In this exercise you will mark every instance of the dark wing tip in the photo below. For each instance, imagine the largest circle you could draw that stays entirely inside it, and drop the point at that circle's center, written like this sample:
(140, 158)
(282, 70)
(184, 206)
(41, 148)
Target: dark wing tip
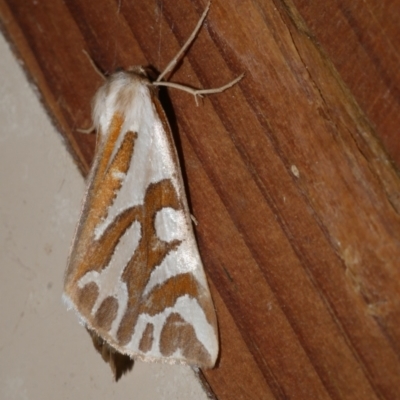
(120, 364)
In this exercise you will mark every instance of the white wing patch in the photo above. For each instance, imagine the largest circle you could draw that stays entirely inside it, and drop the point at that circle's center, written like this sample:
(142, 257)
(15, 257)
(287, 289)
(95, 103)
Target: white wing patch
(170, 224)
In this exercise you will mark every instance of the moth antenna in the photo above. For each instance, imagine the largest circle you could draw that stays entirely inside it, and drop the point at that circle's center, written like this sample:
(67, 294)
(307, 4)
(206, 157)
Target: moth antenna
(195, 92)
(95, 67)
(199, 92)
(174, 61)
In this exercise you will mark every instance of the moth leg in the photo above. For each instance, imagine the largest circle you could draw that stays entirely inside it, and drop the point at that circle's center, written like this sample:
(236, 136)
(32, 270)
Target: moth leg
(87, 131)
(194, 220)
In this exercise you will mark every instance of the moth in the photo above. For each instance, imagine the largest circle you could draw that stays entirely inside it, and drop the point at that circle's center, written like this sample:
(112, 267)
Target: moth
(134, 274)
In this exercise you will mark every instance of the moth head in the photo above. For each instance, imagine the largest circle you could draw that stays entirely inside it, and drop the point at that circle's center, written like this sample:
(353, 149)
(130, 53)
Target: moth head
(122, 93)
(148, 73)
(139, 72)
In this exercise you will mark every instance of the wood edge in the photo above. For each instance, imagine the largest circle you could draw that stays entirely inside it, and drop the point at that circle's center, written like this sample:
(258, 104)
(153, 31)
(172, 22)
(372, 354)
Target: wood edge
(26, 59)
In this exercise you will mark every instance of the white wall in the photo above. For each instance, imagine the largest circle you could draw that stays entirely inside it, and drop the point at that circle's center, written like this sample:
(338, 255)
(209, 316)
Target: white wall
(44, 352)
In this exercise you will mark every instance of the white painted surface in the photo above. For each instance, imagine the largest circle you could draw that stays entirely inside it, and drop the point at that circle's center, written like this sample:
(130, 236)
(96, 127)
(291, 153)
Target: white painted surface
(44, 352)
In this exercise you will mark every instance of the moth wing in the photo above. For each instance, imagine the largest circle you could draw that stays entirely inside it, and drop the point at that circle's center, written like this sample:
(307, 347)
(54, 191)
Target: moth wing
(134, 275)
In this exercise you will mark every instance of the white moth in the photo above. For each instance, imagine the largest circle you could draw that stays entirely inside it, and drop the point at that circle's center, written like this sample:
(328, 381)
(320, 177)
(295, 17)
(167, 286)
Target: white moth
(134, 276)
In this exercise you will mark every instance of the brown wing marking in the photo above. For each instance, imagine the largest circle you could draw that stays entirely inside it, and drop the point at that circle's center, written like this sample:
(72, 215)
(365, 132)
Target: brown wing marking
(150, 253)
(101, 193)
(178, 334)
(166, 294)
(146, 342)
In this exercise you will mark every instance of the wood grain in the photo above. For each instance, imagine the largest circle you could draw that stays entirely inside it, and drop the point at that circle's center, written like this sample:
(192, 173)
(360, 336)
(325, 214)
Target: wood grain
(291, 173)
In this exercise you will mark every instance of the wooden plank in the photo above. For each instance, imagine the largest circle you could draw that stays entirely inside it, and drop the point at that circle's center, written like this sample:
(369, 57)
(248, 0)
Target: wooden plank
(361, 40)
(297, 201)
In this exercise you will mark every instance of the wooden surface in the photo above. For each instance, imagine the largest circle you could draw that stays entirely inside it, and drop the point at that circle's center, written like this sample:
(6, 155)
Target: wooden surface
(297, 200)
